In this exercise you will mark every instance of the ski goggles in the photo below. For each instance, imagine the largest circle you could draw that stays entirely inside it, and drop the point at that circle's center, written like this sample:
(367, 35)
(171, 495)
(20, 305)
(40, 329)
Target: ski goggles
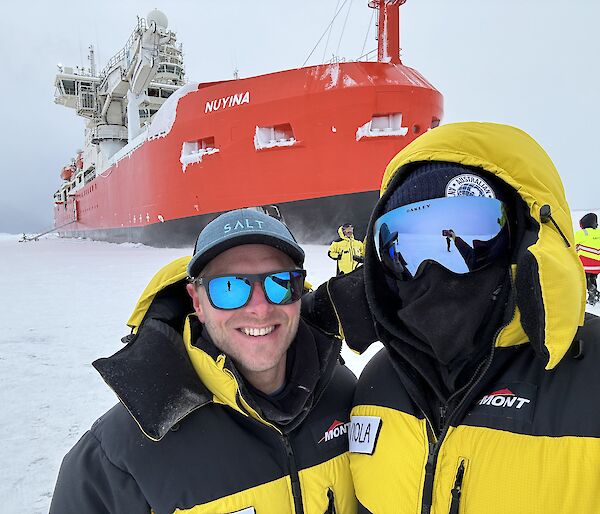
(462, 233)
(233, 291)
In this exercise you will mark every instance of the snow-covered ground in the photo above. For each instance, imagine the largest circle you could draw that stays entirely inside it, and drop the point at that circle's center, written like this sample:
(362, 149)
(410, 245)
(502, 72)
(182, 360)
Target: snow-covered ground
(64, 303)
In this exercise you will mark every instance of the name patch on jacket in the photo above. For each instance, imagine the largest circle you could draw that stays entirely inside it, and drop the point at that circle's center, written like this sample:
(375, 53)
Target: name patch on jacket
(363, 433)
(249, 510)
(515, 400)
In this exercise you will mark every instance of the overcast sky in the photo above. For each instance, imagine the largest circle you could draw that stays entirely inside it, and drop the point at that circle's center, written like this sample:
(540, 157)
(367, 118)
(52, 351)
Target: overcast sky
(529, 63)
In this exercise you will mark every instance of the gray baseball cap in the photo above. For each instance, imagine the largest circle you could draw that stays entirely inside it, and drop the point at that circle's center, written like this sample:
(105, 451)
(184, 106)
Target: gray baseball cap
(241, 227)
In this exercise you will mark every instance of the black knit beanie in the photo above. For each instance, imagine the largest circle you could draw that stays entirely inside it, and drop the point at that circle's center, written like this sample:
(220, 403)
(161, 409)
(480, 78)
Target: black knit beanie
(434, 179)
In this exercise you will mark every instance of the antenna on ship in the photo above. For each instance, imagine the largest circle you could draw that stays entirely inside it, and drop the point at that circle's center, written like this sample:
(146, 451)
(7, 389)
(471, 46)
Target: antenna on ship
(92, 59)
(388, 30)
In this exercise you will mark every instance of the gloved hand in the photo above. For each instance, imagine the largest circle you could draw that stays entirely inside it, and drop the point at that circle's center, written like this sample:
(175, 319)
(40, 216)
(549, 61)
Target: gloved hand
(339, 307)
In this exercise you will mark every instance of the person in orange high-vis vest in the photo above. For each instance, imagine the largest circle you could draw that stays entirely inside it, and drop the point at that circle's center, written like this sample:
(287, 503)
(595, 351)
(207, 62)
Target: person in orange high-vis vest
(587, 244)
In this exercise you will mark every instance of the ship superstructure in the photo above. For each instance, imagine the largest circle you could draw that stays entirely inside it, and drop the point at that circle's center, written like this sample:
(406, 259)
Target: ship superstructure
(163, 157)
(119, 102)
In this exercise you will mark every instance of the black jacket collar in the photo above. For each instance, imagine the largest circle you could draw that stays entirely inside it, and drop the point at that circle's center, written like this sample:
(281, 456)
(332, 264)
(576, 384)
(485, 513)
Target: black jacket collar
(154, 379)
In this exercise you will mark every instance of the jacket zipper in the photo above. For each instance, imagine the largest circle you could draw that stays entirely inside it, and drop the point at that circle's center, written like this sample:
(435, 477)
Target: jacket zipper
(298, 507)
(443, 410)
(434, 448)
(294, 478)
(457, 489)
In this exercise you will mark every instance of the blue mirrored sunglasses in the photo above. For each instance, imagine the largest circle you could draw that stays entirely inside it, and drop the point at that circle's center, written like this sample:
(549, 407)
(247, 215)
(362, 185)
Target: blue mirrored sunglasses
(233, 291)
(462, 233)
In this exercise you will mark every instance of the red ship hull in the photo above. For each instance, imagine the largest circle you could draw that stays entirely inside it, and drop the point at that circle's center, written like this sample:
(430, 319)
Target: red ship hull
(326, 174)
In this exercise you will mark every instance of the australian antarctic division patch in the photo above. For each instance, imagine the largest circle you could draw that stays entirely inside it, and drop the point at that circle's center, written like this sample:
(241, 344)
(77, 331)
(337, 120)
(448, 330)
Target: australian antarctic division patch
(469, 185)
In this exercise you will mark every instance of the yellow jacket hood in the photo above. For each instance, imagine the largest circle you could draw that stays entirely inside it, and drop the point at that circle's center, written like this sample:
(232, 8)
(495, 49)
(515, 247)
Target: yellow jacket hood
(160, 293)
(546, 266)
(342, 235)
(168, 275)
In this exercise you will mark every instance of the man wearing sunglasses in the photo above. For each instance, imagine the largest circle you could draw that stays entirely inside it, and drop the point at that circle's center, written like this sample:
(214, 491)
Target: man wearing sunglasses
(484, 398)
(240, 408)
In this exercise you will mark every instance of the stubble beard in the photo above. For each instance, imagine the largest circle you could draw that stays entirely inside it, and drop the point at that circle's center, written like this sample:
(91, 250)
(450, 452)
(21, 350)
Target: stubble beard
(255, 362)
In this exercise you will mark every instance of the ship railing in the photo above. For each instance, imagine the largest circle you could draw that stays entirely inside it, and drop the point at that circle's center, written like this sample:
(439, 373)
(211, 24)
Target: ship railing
(86, 98)
(170, 59)
(369, 56)
(366, 57)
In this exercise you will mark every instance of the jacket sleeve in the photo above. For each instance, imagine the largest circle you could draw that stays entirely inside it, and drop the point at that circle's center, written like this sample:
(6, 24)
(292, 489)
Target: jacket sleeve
(88, 482)
(334, 252)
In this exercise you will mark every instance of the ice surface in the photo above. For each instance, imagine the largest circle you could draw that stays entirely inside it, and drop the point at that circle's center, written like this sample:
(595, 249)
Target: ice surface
(64, 303)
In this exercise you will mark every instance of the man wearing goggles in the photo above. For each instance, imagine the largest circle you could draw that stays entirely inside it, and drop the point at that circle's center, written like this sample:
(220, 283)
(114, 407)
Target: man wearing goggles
(484, 398)
(243, 407)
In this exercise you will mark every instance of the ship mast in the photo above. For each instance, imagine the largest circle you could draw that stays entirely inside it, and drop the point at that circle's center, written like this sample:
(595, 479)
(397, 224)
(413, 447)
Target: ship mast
(388, 30)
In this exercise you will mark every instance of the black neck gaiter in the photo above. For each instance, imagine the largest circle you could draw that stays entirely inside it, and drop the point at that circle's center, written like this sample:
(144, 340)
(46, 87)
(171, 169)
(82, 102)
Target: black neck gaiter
(444, 311)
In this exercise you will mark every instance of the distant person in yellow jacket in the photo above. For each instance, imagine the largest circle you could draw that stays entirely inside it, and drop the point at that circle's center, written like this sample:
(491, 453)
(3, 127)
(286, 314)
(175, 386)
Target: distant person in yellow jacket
(347, 251)
(587, 244)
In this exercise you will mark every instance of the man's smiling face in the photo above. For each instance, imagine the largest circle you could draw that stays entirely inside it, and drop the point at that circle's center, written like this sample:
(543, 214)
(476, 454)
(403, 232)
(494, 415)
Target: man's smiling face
(258, 335)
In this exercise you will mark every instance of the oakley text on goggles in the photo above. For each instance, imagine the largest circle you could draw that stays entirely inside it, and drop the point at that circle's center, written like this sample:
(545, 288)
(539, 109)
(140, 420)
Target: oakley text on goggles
(233, 291)
(462, 233)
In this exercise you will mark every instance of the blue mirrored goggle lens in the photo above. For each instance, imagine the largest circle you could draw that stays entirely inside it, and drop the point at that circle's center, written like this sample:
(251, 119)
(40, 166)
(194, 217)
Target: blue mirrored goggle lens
(462, 233)
(234, 291)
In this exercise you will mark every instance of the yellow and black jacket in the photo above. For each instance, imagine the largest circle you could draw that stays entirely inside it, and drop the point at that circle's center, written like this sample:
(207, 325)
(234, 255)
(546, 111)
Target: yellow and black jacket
(347, 252)
(587, 244)
(187, 436)
(523, 435)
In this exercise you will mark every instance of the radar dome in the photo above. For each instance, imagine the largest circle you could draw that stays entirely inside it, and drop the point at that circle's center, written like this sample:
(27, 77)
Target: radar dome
(157, 17)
